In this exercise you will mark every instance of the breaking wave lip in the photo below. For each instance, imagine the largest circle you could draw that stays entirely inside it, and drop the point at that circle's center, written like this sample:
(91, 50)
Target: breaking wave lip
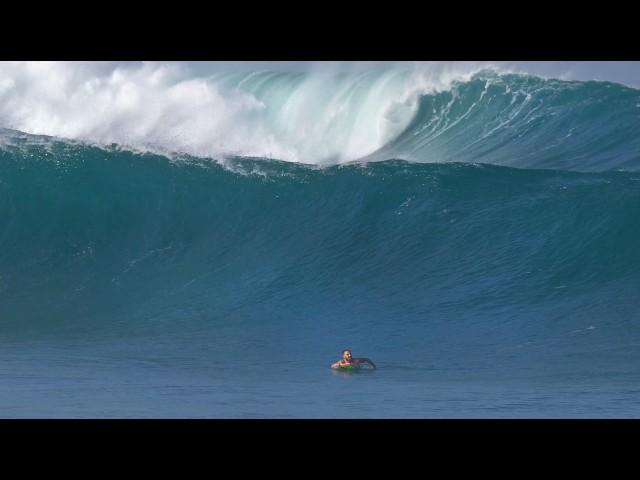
(314, 117)
(526, 122)
(322, 118)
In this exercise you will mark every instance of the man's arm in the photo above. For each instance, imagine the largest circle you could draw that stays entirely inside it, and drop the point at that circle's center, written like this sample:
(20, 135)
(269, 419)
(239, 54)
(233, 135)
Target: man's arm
(336, 365)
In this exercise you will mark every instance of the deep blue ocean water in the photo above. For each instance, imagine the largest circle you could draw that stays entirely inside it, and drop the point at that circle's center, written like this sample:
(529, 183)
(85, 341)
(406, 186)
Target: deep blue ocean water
(489, 268)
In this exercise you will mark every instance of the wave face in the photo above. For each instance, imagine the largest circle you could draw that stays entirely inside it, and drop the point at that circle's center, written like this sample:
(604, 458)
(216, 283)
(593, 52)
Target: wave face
(400, 257)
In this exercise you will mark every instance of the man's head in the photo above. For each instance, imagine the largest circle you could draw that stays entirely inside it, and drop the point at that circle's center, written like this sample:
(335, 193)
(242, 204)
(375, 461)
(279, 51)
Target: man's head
(346, 355)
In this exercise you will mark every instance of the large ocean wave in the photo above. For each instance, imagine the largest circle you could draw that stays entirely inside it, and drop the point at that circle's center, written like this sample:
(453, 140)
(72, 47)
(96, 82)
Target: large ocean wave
(117, 242)
(499, 206)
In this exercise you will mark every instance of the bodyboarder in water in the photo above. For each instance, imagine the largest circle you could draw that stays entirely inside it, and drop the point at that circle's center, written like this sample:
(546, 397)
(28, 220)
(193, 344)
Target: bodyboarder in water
(348, 361)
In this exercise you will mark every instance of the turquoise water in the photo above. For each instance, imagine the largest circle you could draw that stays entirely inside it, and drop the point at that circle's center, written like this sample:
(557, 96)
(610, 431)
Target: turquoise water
(500, 281)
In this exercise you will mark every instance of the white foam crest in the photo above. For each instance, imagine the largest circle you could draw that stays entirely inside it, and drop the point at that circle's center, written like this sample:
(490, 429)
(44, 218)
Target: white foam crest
(321, 116)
